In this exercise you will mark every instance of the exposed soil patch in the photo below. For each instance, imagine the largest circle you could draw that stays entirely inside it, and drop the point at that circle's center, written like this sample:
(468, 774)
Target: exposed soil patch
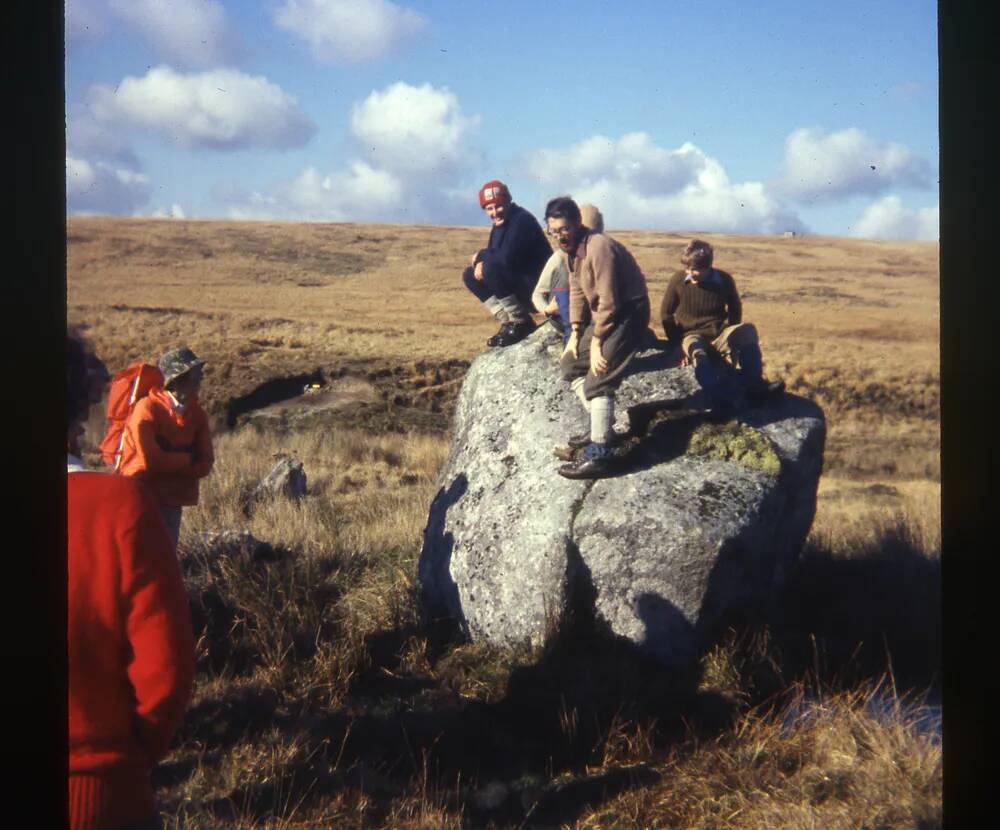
(163, 310)
(380, 398)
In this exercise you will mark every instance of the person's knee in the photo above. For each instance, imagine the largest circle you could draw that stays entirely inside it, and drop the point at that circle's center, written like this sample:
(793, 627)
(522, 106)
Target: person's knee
(469, 279)
(743, 335)
(695, 348)
(568, 369)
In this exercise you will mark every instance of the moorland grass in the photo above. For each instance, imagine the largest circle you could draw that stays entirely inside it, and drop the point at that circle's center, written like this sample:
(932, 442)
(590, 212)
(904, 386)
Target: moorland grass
(323, 699)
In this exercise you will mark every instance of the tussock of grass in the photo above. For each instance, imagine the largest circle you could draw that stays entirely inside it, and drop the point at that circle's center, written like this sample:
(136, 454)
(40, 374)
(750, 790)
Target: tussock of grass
(831, 764)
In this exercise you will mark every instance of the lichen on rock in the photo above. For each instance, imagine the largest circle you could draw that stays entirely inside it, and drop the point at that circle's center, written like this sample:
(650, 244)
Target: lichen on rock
(734, 441)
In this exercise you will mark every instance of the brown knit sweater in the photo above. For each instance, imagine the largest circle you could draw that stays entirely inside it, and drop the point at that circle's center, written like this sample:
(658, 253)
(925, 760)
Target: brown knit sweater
(704, 308)
(604, 278)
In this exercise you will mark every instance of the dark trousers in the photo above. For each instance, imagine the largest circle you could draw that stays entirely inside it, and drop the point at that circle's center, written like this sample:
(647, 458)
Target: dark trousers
(618, 349)
(498, 282)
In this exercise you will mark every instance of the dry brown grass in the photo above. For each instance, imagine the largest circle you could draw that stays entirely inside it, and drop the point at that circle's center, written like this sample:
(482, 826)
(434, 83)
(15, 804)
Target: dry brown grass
(322, 698)
(852, 323)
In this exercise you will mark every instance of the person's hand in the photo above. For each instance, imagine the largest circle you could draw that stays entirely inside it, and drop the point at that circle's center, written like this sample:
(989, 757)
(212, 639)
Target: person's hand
(478, 273)
(573, 344)
(598, 363)
(472, 259)
(685, 360)
(552, 309)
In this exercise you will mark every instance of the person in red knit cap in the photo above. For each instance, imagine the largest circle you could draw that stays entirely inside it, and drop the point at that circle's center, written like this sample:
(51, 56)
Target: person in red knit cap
(167, 441)
(130, 643)
(504, 273)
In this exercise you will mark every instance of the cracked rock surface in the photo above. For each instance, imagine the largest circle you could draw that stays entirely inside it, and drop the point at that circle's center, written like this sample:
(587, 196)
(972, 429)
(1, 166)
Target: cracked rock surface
(657, 554)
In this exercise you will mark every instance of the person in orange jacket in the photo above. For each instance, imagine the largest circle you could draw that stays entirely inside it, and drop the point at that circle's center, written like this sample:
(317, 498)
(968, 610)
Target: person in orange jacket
(130, 645)
(167, 441)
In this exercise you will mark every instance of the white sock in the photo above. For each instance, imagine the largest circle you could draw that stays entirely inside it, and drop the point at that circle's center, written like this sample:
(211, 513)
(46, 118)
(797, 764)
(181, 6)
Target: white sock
(602, 418)
(495, 307)
(577, 386)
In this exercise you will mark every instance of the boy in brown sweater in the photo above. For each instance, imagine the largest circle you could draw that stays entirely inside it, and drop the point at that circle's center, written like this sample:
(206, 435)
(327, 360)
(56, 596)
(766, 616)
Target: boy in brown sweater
(702, 314)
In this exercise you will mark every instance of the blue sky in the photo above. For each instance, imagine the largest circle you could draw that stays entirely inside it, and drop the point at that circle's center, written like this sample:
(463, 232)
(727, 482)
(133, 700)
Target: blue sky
(711, 116)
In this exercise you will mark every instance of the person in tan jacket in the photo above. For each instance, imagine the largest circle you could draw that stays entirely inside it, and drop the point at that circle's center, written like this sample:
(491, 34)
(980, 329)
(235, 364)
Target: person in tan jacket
(609, 319)
(551, 294)
(167, 441)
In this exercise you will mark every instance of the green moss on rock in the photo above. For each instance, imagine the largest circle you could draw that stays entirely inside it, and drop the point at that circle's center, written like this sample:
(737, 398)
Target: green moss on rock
(735, 442)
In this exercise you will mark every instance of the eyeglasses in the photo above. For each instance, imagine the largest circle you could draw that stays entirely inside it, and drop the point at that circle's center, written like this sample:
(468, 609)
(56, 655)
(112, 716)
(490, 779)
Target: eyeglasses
(560, 232)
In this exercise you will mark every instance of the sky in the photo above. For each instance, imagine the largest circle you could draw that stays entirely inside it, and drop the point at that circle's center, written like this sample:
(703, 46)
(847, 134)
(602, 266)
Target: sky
(717, 116)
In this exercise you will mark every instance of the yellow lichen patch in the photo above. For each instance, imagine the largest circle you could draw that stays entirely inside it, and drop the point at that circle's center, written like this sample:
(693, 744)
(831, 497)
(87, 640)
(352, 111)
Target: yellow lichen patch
(735, 442)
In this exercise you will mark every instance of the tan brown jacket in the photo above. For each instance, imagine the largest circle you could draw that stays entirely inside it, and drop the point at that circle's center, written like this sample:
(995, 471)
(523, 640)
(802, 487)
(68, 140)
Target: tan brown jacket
(604, 276)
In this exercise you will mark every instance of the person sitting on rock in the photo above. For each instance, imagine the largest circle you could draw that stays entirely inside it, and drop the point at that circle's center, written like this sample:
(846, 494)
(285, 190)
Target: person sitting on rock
(609, 319)
(551, 295)
(167, 441)
(129, 642)
(503, 274)
(702, 315)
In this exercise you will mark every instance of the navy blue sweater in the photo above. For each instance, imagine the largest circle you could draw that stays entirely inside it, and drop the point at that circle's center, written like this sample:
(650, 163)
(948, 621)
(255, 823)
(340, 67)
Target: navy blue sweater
(518, 246)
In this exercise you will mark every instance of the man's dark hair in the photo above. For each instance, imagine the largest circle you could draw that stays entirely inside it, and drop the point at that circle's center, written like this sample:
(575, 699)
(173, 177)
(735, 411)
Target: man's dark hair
(563, 207)
(77, 378)
(698, 254)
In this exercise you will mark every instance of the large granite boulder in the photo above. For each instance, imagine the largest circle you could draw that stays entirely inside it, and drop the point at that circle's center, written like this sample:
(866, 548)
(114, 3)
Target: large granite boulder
(702, 518)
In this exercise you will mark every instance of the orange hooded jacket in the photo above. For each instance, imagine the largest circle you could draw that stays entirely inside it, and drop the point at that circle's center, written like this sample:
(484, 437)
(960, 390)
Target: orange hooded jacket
(167, 448)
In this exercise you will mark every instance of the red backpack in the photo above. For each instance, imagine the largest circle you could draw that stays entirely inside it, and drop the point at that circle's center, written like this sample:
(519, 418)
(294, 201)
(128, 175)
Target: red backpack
(127, 387)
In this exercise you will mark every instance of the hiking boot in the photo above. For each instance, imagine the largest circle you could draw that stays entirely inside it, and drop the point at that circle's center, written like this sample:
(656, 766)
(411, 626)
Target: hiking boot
(495, 339)
(596, 461)
(514, 333)
(761, 393)
(578, 442)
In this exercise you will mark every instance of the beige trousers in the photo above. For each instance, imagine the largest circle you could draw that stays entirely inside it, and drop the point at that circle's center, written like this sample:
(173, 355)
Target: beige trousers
(730, 338)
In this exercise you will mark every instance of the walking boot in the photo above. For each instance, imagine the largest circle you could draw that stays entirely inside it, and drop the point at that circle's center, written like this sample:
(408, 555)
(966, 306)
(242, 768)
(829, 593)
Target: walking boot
(578, 442)
(596, 461)
(514, 333)
(502, 332)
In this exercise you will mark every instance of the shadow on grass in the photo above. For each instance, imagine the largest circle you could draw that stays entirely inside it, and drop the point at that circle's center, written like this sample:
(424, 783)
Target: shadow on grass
(847, 618)
(527, 755)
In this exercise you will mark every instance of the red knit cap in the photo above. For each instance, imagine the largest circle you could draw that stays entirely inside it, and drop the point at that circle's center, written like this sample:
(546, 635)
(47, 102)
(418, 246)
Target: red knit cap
(494, 193)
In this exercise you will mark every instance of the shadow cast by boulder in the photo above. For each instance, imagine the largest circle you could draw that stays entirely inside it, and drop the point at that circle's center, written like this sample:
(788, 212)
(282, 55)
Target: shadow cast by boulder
(439, 592)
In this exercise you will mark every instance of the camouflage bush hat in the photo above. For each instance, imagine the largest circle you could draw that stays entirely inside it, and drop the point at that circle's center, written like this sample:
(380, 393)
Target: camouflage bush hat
(176, 362)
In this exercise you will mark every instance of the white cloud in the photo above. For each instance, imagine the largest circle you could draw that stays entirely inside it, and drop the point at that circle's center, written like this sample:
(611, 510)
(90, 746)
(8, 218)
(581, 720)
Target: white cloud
(359, 193)
(633, 160)
(888, 219)
(820, 166)
(413, 129)
(349, 31)
(222, 109)
(190, 33)
(175, 211)
(100, 187)
(637, 184)
(414, 142)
